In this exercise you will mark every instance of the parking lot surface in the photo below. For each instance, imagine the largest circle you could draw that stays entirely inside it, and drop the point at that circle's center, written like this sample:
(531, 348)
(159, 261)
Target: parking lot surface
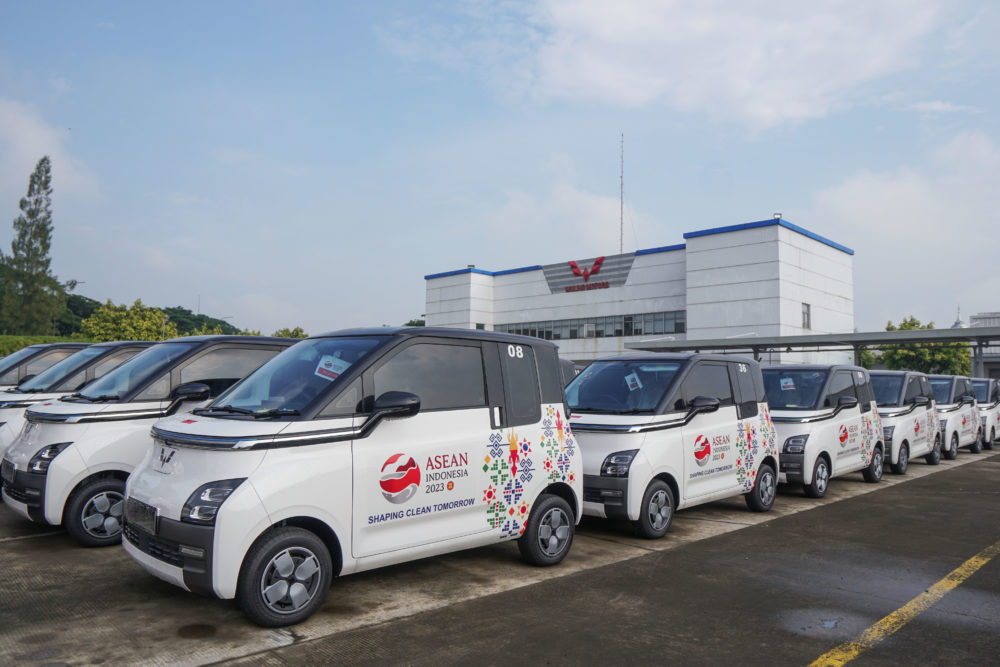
(725, 586)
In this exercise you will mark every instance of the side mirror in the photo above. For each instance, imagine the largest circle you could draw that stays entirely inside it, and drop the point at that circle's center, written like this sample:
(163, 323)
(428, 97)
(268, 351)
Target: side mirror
(193, 391)
(396, 404)
(704, 404)
(847, 402)
(921, 400)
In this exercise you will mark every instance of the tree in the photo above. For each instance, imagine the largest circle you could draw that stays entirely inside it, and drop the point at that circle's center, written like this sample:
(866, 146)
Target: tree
(297, 332)
(944, 358)
(78, 308)
(138, 322)
(415, 323)
(249, 332)
(31, 298)
(188, 322)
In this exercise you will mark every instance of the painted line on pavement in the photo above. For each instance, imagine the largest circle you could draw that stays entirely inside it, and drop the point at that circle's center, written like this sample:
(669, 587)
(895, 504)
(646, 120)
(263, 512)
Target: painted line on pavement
(29, 537)
(897, 619)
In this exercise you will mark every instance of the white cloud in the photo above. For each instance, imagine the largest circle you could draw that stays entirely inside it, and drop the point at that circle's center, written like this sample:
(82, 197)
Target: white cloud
(763, 63)
(937, 106)
(925, 238)
(24, 138)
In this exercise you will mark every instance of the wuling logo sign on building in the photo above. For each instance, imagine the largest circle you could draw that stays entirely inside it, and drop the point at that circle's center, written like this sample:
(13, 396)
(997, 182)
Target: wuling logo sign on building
(583, 275)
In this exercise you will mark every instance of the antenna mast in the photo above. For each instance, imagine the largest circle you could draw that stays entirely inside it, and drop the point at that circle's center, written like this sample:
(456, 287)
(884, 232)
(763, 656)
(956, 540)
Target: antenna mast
(621, 199)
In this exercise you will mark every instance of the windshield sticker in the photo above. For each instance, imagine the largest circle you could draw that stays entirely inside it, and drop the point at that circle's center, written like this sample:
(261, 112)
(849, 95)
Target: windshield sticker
(787, 384)
(633, 382)
(330, 367)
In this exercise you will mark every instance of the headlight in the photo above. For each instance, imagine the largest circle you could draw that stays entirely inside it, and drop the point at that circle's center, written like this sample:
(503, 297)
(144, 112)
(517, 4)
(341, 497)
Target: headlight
(887, 432)
(203, 505)
(617, 464)
(795, 444)
(39, 463)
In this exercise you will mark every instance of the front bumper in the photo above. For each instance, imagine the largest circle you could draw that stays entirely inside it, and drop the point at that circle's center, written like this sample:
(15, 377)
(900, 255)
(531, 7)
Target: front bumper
(791, 468)
(26, 493)
(180, 553)
(611, 492)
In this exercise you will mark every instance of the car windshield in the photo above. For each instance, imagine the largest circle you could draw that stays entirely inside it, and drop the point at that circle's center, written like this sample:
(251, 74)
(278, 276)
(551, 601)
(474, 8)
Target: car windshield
(793, 389)
(942, 391)
(15, 358)
(148, 364)
(621, 387)
(981, 388)
(293, 380)
(887, 389)
(55, 374)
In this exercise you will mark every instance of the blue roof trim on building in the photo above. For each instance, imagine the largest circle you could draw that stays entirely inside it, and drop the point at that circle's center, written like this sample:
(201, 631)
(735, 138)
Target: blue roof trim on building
(523, 269)
(665, 248)
(769, 223)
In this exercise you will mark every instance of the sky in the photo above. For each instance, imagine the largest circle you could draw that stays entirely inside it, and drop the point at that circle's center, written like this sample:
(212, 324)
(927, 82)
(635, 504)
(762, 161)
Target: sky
(283, 164)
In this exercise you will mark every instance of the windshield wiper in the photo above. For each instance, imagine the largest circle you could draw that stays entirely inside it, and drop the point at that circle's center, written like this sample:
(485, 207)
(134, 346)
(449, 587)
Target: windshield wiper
(102, 397)
(275, 412)
(225, 408)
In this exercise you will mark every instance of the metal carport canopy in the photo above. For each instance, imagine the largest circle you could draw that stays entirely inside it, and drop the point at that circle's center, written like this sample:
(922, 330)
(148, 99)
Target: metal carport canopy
(979, 336)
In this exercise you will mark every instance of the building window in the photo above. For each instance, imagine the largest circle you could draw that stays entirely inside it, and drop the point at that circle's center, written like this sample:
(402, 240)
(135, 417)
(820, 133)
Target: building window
(480, 326)
(601, 327)
(806, 316)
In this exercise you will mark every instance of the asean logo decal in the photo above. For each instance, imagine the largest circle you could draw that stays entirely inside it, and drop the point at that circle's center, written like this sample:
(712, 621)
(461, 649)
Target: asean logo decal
(965, 420)
(400, 478)
(702, 450)
(916, 426)
(843, 434)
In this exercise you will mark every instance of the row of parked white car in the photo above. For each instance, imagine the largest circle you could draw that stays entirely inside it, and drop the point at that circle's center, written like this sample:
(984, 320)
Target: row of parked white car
(259, 468)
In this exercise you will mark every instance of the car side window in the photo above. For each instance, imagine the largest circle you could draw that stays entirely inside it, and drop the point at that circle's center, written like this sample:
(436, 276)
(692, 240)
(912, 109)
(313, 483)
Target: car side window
(443, 376)
(113, 361)
(344, 404)
(748, 393)
(912, 390)
(520, 376)
(221, 368)
(863, 386)
(840, 385)
(925, 388)
(705, 379)
(995, 396)
(43, 361)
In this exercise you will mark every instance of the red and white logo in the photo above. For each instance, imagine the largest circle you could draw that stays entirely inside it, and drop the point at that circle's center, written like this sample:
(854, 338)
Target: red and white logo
(843, 434)
(702, 450)
(916, 426)
(400, 478)
(965, 420)
(586, 273)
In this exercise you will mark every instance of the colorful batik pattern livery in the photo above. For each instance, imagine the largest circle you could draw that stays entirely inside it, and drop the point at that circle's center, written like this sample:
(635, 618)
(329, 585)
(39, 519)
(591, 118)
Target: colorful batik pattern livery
(868, 438)
(512, 462)
(754, 442)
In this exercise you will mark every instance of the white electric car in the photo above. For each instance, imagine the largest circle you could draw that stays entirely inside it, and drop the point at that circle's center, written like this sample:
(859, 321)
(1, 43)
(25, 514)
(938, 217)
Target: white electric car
(61, 379)
(827, 423)
(354, 450)
(70, 462)
(988, 396)
(29, 361)
(958, 414)
(909, 418)
(661, 432)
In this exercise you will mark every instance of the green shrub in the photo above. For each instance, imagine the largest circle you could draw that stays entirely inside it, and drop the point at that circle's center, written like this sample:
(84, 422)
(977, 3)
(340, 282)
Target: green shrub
(9, 344)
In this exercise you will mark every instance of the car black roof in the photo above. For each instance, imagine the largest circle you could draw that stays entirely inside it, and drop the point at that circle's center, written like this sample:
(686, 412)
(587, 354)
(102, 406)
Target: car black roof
(231, 339)
(678, 356)
(883, 371)
(814, 367)
(125, 343)
(439, 332)
(65, 344)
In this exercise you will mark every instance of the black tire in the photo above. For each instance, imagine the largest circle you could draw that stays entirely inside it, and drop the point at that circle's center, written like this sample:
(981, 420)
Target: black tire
(820, 479)
(873, 473)
(934, 457)
(548, 534)
(278, 562)
(977, 446)
(952, 452)
(765, 488)
(656, 511)
(904, 460)
(993, 436)
(93, 514)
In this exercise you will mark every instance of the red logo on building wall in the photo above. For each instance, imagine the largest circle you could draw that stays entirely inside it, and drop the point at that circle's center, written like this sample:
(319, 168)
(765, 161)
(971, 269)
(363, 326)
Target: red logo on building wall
(586, 273)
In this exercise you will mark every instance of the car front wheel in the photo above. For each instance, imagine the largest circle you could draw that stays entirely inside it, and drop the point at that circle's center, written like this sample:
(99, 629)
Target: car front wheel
(761, 497)
(952, 452)
(993, 436)
(934, 457)
(873, 473)
(548, 534)
(820, 479)
(904, 460)
(93, 515)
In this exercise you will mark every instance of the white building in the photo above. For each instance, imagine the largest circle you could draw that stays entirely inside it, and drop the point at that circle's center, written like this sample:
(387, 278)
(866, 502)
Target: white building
(767, 278)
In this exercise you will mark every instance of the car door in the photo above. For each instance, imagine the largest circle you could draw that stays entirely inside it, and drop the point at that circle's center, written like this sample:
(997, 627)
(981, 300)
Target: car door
(418, 480)
(847, 449)
(712, 463)
(918, 431)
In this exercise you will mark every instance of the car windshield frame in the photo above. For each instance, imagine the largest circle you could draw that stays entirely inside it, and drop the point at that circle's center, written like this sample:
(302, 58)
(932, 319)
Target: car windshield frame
(53, 375)
(947, 383)
(15, 359)
(881, 389)
(308, 374)
(620, 379)
(808, 384)
(148, 365)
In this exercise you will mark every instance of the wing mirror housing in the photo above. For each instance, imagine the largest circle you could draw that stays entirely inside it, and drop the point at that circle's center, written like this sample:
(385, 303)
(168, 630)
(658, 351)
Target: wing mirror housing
(397, 404)
(704, 404)
(845, 402)
(193, 391)
(921, 400)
